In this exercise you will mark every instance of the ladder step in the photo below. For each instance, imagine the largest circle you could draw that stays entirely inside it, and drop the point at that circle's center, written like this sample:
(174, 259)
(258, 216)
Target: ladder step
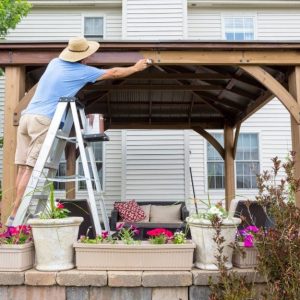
(51, 165)
(68, 178)
(40, 197)
(68, 139)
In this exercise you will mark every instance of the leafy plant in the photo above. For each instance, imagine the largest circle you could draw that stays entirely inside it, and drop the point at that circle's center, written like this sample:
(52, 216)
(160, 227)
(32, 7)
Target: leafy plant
(16, 235)
(11, 13)
(103, 238)
(230, 285)
(126, 234)
(179, 237)
(54, 210)
(279, 248)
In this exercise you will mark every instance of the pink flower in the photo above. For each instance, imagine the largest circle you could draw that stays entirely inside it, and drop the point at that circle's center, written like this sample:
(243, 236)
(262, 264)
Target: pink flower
(104, 234)
(60, 205)
(248, 241)
(252, 228)
(120, 226)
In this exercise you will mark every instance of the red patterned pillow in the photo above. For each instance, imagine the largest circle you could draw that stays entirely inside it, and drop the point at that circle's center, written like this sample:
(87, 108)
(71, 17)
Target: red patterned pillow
(130, 211)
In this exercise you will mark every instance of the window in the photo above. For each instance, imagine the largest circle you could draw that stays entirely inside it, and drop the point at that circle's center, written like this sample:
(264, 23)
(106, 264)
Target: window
(239, 28)
(215, 165)
(247, 162)
(93, 27)
(98, 153)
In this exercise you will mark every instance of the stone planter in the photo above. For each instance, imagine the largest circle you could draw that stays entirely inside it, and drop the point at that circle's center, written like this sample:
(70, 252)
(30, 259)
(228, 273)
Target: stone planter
(206, 249)
(53, 241)
(16, 257)
(249, 261)
(143, 256)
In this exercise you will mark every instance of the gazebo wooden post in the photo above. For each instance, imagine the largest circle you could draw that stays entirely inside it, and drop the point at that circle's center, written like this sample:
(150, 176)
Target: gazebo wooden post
(294, 89)
(229, 164)
(14, 91)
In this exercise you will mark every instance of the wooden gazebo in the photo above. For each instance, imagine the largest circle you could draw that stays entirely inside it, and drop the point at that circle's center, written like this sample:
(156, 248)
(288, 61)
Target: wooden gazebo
(191, 85)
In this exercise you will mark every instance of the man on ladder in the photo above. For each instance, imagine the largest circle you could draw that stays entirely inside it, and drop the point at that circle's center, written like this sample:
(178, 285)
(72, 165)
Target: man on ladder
(64, 77)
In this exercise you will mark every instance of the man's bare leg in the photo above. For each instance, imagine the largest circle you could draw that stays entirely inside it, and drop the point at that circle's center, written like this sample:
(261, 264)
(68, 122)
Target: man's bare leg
(20, 188)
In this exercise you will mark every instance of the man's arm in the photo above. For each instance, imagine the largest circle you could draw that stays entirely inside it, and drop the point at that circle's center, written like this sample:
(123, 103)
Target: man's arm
(120, 72)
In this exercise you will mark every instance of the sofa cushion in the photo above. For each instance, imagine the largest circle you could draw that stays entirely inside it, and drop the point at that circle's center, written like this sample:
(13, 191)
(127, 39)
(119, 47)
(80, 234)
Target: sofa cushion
(146, 209)
(165, 213)
(130, 211)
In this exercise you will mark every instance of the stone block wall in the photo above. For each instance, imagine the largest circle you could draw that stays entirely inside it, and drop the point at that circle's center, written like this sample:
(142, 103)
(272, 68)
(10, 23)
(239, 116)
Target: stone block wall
(112, 285)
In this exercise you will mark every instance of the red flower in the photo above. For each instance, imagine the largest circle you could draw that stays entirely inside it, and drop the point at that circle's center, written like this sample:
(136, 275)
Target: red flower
(60, 205)
(160, 231)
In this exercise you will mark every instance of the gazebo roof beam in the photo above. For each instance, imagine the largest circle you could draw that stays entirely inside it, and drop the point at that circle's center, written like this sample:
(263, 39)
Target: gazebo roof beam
(163, 87)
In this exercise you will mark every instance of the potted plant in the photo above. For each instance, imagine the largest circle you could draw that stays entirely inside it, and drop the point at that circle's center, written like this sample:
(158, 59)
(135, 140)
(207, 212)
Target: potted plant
(163, 251)
(245, 256)
(203, 234)
(54, 234)
(16, 249)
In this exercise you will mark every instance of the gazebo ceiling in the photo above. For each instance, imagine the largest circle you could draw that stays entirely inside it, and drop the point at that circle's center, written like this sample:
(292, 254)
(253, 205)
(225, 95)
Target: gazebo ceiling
(176, 96)
(189, 92)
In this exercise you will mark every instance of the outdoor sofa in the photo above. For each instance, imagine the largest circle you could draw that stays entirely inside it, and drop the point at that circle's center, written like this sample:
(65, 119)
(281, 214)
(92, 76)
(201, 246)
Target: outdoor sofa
(159, 214)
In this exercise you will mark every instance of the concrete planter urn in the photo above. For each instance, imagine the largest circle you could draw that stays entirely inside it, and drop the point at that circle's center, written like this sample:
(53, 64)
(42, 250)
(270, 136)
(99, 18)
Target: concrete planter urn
(206, 249)
(16, 257)
(140, 256)
(53, 241)
(249, 261)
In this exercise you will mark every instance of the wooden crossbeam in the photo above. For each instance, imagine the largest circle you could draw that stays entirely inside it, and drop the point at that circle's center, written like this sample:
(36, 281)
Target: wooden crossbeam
(200, 76)
(276, 88)
(167, 87)
(211, 139)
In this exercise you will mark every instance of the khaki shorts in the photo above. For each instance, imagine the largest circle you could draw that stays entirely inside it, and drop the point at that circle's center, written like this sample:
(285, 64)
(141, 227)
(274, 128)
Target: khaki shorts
(31, 133)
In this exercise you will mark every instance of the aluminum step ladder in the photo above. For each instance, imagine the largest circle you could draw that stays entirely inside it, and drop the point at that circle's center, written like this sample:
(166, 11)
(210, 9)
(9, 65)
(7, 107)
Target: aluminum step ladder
(69, 111)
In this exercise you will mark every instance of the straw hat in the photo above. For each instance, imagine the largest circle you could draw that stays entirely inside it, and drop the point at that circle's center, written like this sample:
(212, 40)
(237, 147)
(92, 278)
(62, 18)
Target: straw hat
(78, 48)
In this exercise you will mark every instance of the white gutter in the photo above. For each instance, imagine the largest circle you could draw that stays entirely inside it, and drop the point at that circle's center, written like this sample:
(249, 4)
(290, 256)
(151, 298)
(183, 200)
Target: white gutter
(244, 3)
(90, 3)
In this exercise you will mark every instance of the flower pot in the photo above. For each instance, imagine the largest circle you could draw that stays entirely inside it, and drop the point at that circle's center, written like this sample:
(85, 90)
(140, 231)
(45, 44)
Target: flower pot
(16, 257)
(142, 256)
(53, 241)
(206, 248)
(249, 261)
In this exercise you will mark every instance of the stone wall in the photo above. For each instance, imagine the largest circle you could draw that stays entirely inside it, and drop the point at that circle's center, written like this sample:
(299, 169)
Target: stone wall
(112, 285)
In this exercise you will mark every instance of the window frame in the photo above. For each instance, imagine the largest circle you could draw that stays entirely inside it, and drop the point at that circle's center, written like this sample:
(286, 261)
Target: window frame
(239, 14)
(244, 191)
(103, 16)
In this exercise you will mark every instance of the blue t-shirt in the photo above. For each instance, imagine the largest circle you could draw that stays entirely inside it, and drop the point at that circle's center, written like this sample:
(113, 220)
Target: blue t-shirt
(61, 79)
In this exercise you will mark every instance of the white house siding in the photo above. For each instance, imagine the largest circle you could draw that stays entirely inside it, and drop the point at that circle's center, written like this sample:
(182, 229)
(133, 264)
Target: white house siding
(271, 24)
(280, 24)
(154, 20)
(61, 24)
(154, 165)
(204, 25)
(112, 168)
(272, 123)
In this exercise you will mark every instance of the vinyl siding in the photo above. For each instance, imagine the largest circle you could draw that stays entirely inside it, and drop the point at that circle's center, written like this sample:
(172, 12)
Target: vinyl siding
(154, 165)
(271, 24)
(204, 25)
(154, 20)
(56, 25)
(286, 26)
